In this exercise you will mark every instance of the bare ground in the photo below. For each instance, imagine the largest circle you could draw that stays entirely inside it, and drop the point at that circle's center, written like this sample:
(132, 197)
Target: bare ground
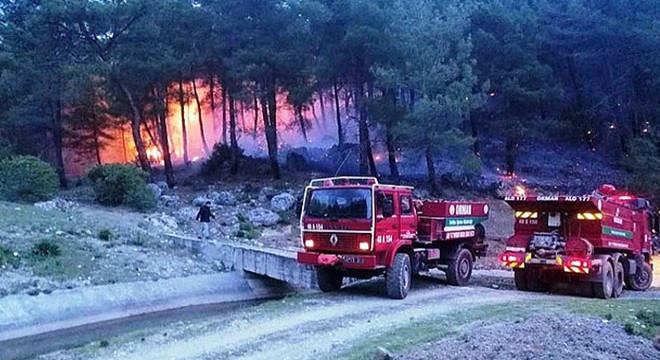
(348, 325)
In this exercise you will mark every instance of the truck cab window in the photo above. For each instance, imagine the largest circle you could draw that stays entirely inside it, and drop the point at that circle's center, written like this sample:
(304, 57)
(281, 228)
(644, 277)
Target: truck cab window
(386, 198)
(406, 205)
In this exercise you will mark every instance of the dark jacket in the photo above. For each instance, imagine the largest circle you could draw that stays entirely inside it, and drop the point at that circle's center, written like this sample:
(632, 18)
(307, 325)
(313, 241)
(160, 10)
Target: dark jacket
(205, 214)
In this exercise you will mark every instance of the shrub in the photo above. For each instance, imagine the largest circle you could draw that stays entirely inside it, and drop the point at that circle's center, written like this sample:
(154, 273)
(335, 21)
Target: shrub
(221, 155)
(105, 235)
(26, 178)
(6, 149)
(7, 257)
(247, 231)
(45, 249)
(117, 184)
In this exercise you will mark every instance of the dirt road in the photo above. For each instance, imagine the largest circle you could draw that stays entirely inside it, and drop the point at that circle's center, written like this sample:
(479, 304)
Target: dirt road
(346, 325)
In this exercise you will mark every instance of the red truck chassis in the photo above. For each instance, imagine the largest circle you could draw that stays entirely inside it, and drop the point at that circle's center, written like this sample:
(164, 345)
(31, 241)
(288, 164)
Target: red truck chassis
(599, 243)
(356, 227)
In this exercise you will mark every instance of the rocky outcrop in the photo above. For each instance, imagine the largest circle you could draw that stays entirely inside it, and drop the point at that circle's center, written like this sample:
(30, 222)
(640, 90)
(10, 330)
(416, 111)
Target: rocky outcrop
(263, 217)
(282, 202)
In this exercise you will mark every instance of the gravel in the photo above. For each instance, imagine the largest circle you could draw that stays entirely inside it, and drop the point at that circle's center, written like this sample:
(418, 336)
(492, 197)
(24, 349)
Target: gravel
(550, 337)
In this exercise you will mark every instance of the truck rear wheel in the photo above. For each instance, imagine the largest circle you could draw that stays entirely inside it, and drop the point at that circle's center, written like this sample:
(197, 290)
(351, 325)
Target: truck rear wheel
(618, 280)
(329, 279)
(642, 279)
(398, 276)
(604, 287)
(459, 270)
(520, 278)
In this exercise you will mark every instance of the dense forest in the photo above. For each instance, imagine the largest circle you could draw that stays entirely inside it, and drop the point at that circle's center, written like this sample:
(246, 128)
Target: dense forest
(429, 77)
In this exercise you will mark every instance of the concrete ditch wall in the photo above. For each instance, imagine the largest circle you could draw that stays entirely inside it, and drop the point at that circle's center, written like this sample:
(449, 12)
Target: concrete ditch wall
(273, 263)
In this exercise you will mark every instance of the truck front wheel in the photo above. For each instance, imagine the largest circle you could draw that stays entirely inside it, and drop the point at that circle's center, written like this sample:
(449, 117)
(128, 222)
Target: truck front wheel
(329, 279)
(397, 279)
(642, 279)
(459, 270)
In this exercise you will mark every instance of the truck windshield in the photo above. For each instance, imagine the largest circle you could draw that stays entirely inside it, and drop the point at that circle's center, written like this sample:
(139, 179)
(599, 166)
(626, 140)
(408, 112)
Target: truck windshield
(340, 204)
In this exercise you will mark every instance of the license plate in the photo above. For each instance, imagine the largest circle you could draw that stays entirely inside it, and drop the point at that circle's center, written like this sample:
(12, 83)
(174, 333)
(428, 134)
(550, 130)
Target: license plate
(352, 260)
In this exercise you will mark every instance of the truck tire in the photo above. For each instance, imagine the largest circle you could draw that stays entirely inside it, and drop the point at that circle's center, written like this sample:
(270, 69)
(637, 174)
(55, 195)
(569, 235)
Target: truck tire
(328, 279)
(642, 279)
(604, 287)
(459, 270)
(398, 277)
(618, 280)
(520, 278)
(536, 282)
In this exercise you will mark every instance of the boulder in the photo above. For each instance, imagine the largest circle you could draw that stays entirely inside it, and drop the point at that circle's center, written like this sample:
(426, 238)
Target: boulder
(656, 342)
(163, 222)
(163, 186)
(282, 202)
(186, 214)
(263, 217)
(224, 198)
(55, 204)
(156, 190)
(201, 200)
(170, 200)
(266, 193)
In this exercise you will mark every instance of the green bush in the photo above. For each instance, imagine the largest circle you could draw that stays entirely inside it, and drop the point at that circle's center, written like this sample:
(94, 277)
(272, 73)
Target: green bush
(7, 257)
(117, 184)
(220, 156)
(45, 249)
(6, 149)
(105, 235)
(26, 178)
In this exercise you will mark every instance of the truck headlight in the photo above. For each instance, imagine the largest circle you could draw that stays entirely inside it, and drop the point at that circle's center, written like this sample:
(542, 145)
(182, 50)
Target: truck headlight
(309, 243)
(364, 245)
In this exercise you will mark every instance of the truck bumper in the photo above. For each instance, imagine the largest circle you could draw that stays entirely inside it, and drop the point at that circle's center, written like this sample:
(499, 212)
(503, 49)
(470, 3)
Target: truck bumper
(346, 261)
(566, 264)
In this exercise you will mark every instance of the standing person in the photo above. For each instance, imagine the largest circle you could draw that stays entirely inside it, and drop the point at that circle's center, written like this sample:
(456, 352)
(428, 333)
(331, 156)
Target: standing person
(204, 216)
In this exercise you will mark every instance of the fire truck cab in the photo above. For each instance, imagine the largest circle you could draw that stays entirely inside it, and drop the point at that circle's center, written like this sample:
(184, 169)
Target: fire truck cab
(355, 227)
(602, 242)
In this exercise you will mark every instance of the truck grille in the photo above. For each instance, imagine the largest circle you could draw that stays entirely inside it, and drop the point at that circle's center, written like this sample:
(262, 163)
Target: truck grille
(345, 242)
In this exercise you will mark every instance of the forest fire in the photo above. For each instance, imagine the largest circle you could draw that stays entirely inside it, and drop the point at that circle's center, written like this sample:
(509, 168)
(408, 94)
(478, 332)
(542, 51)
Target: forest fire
(203, 132)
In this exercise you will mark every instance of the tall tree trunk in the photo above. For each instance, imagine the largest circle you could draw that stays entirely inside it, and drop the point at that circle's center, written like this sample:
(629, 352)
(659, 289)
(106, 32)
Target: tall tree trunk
(232, 135)
(256, 118)
(474, 128)
(391, 155)
(316, 118)
(123, 144)
(97, 144)
(322, 104)
(243, 127)
(161, 97)
(212, 99)
(270, 100)
(431, 169)
(373, 170)
(184, 129)
(363, 129)
(301, 121)
(58, 141)
(136, 121)
(199, 118)
(511, 153)
(224, 113)
(340, 131)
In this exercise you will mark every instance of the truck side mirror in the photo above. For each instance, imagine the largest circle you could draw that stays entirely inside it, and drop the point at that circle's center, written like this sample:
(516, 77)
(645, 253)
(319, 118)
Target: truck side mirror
(388, 207)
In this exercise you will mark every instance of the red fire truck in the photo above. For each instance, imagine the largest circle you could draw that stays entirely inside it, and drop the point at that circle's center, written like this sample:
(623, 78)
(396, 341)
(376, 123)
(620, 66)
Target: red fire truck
(355, 227)
(601, 242)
